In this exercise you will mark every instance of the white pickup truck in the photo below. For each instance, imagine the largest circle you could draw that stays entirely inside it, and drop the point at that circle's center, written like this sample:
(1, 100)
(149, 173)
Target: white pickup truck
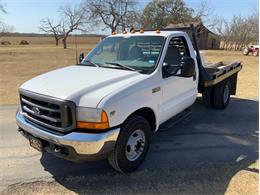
(110, 104)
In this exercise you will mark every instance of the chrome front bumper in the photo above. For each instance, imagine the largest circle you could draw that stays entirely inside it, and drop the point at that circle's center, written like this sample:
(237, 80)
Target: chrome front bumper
(86, 144)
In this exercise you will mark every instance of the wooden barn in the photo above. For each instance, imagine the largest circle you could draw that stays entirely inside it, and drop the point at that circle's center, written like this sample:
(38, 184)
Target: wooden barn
(205, 38)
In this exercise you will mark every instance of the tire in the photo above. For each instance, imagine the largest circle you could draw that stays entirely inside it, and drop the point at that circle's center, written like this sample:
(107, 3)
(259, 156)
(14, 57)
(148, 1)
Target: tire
(222, 94)
(256, 53)
(246, 51)
(207, 97)
(122, 157)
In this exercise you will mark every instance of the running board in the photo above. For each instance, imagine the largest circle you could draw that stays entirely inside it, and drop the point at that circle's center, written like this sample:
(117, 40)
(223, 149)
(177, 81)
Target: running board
(175, 120)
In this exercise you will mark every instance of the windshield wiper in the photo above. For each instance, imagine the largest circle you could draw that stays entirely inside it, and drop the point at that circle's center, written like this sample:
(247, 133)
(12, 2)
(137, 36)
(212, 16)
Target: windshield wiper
(121, 66)
(90, 62)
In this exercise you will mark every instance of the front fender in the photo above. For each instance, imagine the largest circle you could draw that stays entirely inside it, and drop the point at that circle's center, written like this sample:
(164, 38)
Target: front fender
(119, 106)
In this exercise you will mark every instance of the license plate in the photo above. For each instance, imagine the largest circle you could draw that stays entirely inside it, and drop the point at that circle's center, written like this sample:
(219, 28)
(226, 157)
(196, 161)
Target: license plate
(35, 143)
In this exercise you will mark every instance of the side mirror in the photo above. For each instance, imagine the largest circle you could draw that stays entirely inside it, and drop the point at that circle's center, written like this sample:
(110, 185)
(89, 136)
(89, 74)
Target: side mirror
(81, 57)
(187, 67)
(170, 70)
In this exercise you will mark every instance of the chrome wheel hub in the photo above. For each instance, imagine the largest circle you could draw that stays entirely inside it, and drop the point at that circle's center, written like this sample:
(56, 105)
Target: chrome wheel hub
(135, 145)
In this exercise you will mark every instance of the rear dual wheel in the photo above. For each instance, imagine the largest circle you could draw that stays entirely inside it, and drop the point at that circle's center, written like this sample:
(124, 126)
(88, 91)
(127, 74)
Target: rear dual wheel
(221, 95)
(207, 97)
(218, 96)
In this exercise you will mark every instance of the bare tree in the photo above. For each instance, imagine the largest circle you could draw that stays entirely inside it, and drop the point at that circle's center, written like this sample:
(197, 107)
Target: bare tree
(202, 12)
(113, 13)
(239, 32)
(2, 9)
(47, 25)
(4, 28)
(73, 19)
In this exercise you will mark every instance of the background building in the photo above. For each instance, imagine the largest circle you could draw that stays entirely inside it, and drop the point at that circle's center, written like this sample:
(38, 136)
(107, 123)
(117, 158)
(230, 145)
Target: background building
(205, 38)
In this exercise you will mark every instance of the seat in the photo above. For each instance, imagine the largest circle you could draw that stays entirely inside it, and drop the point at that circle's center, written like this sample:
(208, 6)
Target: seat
(123, 52)
(173, 56)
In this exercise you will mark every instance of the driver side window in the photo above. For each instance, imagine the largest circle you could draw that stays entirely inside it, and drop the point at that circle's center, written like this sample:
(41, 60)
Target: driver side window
(173, 56)
(177, 49)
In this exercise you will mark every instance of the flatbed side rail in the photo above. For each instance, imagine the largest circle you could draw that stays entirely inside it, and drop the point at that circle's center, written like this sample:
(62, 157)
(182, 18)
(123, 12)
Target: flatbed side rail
(225, 68)
(206, 79)
(220, 77)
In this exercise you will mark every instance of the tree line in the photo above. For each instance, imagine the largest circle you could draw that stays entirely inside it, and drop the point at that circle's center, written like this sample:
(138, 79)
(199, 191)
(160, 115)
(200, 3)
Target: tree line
(239, 32)
(119, 15)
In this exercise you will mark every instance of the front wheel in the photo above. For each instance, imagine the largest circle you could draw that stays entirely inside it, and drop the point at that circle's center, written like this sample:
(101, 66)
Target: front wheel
(132, 145)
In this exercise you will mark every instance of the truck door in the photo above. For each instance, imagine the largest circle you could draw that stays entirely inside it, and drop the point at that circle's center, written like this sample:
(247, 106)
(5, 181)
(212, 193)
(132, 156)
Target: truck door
(178, 92)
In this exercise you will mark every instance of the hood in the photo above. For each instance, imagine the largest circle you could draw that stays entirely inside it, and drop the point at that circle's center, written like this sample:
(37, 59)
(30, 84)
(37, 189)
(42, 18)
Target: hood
(84, 85)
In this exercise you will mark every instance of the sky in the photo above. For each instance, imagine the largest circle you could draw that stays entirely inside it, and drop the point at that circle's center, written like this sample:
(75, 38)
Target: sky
(25, 15)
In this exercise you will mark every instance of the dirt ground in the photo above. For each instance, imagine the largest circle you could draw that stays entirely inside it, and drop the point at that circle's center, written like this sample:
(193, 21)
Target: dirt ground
(45, 40)
(183, 182)
(248, 78)
(20, 63)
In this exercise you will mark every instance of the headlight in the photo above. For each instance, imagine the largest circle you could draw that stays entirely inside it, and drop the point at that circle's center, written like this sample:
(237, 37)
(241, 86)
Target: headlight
(88, 114)
(91, 118)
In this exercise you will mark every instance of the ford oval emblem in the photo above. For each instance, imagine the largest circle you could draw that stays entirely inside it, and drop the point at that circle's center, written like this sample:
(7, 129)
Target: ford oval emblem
(36, 110)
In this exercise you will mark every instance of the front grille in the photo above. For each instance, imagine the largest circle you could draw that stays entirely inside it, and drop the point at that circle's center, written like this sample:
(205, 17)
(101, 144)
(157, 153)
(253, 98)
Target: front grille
(51, 113)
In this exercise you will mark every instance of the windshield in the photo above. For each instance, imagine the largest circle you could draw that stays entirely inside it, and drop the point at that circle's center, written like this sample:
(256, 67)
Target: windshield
(128, 52)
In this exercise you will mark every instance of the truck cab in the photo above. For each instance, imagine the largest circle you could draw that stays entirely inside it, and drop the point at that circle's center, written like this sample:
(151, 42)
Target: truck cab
(110, 104)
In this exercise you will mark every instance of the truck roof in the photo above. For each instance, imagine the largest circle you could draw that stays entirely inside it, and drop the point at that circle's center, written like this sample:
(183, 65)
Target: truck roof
(148, 33)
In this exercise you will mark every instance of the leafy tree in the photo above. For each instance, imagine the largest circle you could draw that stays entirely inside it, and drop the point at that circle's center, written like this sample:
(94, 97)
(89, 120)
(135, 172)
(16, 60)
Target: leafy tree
(160, 13)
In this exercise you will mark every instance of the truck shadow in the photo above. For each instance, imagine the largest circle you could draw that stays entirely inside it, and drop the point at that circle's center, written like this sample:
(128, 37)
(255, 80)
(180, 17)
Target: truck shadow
(197, 156)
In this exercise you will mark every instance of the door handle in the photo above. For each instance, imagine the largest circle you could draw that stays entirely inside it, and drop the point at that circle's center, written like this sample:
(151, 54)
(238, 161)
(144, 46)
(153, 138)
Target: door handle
(156, 89)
